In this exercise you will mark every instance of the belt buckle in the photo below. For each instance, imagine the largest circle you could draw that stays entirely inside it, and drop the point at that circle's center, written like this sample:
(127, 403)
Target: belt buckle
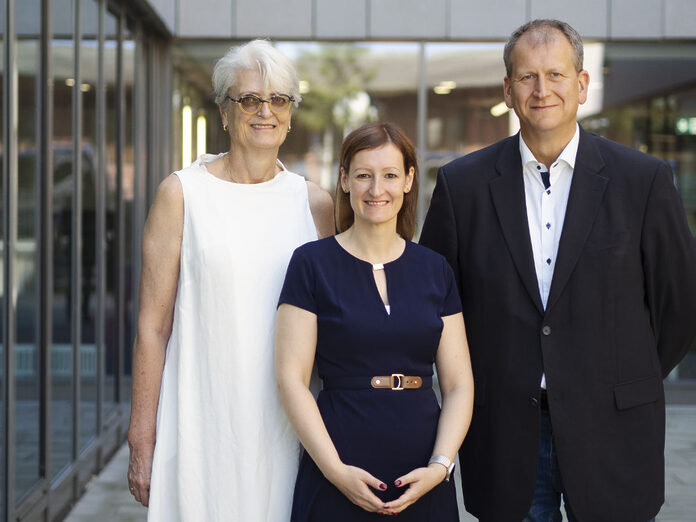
(399, 379)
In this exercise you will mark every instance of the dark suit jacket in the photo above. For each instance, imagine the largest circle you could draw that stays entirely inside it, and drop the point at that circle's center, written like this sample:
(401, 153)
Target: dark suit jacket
(620, 314)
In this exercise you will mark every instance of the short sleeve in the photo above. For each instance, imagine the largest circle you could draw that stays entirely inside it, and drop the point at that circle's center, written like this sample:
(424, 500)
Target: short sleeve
(451, 304)
(298, 288)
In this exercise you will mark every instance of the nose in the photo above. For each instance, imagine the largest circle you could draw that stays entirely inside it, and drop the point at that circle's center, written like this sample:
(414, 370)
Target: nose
(540, 89)
(265, 109)
(375, 186)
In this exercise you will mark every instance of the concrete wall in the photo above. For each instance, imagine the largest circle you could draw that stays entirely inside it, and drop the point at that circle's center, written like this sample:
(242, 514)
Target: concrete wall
(417, 19)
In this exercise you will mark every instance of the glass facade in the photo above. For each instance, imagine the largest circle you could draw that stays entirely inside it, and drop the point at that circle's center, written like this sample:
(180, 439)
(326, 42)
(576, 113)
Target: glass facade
(68, 239)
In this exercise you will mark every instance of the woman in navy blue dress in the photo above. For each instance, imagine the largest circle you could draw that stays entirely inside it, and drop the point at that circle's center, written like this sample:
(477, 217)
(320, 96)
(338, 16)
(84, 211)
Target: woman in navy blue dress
(375, 310)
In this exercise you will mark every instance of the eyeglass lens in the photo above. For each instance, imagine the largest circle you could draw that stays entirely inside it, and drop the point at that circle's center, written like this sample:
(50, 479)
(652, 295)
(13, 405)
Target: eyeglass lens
(252, 104)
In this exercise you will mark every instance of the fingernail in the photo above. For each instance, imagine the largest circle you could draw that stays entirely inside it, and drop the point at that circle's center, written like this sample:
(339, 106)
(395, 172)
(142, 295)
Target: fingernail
(382, 486)
(397, 483)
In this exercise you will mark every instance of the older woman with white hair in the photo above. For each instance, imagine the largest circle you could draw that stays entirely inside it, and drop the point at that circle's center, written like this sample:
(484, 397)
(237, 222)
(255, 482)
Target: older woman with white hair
(208, 436)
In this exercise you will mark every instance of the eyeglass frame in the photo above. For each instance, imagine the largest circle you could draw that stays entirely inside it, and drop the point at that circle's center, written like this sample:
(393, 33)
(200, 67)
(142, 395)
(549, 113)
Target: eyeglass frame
(238, 101)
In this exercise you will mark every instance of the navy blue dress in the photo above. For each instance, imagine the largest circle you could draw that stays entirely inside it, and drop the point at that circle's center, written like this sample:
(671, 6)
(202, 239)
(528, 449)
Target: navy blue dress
(386, 432)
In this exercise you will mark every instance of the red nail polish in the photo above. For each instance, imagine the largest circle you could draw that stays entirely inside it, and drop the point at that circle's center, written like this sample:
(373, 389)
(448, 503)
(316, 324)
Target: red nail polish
(397, 483)
(382, 486)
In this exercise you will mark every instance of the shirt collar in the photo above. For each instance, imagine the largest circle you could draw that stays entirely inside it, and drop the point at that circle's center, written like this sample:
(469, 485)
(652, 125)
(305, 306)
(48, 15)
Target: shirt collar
(567, 155)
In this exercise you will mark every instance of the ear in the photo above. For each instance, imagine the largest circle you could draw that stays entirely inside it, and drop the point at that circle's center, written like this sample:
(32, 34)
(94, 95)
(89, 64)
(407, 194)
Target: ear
(409, 180)
(344, 180)
(507, 92)
(584, 85)
(223, 116)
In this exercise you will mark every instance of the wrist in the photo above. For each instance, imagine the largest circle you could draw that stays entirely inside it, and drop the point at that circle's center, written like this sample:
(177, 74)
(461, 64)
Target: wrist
(443, 462)
(333, 471)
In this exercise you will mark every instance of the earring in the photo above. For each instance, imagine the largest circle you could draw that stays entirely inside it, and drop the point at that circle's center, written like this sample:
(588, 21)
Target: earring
(289, 128)
(224, 127)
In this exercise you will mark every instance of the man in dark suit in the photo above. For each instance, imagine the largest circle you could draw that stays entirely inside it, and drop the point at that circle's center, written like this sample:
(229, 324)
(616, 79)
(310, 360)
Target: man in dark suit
(577, 273)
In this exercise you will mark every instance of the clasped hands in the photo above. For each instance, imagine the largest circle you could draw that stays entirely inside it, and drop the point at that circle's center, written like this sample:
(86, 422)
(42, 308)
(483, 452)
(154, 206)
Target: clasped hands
(355, 484)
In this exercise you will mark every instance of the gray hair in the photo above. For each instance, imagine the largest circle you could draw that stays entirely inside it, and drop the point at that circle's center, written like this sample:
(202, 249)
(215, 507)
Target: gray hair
(541, 28)
(277, 71)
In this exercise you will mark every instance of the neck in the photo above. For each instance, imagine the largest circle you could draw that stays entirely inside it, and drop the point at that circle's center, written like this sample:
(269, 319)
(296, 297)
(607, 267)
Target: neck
(372, 243)
(546, 147)
(245, 166)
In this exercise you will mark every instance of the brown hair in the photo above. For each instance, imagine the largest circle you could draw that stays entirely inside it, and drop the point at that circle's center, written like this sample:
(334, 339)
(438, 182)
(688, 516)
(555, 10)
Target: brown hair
(374, 136)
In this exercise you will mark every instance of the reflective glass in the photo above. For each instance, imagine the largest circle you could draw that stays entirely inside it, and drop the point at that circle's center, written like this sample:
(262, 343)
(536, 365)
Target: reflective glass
(28, 363)
(128, 181)
(62, 407)
(111, 239)
(88, 286)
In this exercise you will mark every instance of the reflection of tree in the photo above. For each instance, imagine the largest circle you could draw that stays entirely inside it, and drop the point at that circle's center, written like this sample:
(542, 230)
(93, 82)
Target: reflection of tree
(336, 80)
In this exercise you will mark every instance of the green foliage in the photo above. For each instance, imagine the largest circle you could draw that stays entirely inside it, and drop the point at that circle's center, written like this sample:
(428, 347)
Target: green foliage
(334, 73)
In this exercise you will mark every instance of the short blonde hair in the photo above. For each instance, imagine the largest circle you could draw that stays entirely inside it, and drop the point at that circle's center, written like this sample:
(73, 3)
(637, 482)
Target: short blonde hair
(277, 71)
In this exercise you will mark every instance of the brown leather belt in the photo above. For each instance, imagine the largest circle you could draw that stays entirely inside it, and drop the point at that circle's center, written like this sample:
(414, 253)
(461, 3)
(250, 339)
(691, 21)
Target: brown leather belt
(396, 381)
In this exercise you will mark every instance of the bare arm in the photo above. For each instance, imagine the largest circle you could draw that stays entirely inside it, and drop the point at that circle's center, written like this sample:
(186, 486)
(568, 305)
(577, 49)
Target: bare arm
(321, 205)
(161, 252)
(457, 386)
(296, 337)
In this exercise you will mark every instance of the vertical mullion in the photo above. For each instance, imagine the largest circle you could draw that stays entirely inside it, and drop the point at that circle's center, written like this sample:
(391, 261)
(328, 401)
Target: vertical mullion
(100, 186)
(9, 226)
(45, 235)
(120, 221)
(76, 229)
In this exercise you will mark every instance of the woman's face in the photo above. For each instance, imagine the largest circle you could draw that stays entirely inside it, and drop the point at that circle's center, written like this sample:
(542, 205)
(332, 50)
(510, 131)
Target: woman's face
(263, 130)
(377, 183)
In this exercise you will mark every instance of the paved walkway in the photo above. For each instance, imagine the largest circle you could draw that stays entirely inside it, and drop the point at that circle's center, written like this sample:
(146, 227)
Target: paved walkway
(107, 498)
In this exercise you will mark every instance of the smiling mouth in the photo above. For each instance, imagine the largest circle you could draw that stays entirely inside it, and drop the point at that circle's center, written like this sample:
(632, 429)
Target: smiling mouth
(376, 203)
(262, 126)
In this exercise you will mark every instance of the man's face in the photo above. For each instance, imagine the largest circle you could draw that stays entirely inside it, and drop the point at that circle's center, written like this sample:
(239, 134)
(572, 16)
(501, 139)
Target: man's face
(544, 88)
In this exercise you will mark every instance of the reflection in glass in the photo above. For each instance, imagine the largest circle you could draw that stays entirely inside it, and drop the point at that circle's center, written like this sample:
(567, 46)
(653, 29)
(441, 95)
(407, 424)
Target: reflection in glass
(128, 180)
(88, 349)
(28, 364)
(62, 350)
(111, 171)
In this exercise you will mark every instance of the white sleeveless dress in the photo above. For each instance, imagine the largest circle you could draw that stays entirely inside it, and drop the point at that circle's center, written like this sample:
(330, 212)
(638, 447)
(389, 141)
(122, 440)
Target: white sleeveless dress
(225, 450)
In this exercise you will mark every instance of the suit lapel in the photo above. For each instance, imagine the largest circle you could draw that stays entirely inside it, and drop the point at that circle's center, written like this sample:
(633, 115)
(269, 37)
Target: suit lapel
(507, 192)
(586, 192)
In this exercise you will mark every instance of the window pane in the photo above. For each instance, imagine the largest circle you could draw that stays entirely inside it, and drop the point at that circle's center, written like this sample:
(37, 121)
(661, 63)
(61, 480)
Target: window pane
(110, 320)
(28, 388)
(62, 351)
(88, 350)
(128, 207)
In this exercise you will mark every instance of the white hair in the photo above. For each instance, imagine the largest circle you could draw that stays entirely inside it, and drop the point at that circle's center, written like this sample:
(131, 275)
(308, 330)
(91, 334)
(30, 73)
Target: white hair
(277, 72)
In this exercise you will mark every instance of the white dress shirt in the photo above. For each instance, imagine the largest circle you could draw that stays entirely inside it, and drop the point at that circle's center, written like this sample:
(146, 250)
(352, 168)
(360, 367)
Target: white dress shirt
(546, 209)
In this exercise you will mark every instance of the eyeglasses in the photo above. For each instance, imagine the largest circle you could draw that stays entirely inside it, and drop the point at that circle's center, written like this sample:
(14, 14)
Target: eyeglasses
(251, 104)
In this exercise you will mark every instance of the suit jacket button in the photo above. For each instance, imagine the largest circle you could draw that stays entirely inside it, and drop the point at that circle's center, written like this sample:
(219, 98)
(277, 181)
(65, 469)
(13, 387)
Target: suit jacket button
(546, 330)
(534, 401)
